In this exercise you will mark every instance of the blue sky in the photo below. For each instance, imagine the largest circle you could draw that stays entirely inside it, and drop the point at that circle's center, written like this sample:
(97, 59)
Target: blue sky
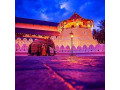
(58, 10)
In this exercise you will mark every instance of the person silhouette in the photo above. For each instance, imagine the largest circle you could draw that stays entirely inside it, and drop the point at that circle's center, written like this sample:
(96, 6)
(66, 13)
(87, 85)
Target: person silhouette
(43, 50)
(48, 50)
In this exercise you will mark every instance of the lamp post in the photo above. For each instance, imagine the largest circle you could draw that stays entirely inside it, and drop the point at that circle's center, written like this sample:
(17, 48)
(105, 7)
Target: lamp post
(71, 35)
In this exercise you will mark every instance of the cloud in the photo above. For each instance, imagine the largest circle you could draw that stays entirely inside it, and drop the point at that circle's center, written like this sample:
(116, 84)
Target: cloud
(58, 10)
(64, 5)
(85, 5)
(96, 24)
(44, 17)
(43, 10)
(67, 6)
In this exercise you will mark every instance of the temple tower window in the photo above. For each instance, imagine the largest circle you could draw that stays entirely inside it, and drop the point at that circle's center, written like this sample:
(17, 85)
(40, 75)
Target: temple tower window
(72, 26)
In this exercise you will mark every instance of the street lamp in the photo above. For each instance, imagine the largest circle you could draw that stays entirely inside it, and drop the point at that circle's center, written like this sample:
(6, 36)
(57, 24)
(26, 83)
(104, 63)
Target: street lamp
(71, 35)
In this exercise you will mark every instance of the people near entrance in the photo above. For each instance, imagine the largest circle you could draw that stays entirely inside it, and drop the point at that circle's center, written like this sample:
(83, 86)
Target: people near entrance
(48, 46)
(43, 50)
(39, 53)
(48, 50)
(29, 50)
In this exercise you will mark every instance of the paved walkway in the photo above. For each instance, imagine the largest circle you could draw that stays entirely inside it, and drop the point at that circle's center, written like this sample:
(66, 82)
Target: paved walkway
(60, 73)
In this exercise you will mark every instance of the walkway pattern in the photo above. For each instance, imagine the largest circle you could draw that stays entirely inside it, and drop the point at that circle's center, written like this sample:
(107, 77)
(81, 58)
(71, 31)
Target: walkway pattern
(60, 73)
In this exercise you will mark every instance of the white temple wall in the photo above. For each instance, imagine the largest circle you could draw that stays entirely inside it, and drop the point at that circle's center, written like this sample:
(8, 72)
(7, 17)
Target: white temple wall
(82, 36)
(21, 46)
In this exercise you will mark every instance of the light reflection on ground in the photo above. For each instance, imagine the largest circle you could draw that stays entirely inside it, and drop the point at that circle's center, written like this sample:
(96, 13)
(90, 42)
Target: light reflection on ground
(65, 72)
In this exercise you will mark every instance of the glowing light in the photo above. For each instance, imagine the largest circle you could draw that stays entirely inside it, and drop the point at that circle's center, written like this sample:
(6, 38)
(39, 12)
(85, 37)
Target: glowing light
(77, 24)
(37, 27)
(88, 25)
(71, 35)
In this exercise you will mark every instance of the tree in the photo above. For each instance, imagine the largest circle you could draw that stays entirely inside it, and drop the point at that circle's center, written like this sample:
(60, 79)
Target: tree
(102, 25)
(100, 36)
(94, 33)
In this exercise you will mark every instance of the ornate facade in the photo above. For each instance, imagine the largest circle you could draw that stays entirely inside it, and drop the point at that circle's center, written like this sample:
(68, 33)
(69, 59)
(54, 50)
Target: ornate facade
(81, 29)
(27, 30)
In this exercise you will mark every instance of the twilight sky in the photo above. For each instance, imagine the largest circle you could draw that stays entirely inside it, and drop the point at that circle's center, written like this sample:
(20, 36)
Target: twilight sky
(58, 10)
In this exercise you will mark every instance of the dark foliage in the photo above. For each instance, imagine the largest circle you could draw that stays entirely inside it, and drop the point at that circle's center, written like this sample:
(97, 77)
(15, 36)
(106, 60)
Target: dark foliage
(100, 35)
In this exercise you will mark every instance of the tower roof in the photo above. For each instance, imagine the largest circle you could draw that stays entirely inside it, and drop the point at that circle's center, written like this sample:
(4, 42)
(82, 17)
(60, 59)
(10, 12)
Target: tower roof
(75, 16)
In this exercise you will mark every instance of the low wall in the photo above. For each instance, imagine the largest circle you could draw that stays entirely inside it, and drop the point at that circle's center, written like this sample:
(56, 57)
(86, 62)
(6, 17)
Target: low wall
(98, 50)
(22, 44)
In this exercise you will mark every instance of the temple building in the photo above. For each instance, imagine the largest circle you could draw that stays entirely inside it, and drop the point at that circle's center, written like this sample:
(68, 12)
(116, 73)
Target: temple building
(27, 30)
(81, 29)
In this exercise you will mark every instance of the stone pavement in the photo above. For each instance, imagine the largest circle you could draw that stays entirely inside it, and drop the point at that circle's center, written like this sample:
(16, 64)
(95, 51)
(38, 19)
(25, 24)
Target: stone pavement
(60, 73)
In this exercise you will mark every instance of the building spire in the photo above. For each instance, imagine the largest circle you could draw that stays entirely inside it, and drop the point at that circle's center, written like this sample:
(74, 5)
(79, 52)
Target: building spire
(75, 16)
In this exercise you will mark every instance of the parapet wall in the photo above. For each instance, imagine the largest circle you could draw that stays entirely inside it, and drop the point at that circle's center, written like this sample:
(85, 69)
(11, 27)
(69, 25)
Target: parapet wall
(21, 47)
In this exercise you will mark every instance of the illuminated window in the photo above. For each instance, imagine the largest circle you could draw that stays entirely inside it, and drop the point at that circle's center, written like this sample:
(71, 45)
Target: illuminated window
(72, 26)
(80, 26)
(64, 22)
(88, 25)
(77, 24)
(83, 23)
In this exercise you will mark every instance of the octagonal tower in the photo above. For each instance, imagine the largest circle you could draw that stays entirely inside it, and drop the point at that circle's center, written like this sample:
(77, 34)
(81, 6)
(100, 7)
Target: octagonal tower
(81, 29)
